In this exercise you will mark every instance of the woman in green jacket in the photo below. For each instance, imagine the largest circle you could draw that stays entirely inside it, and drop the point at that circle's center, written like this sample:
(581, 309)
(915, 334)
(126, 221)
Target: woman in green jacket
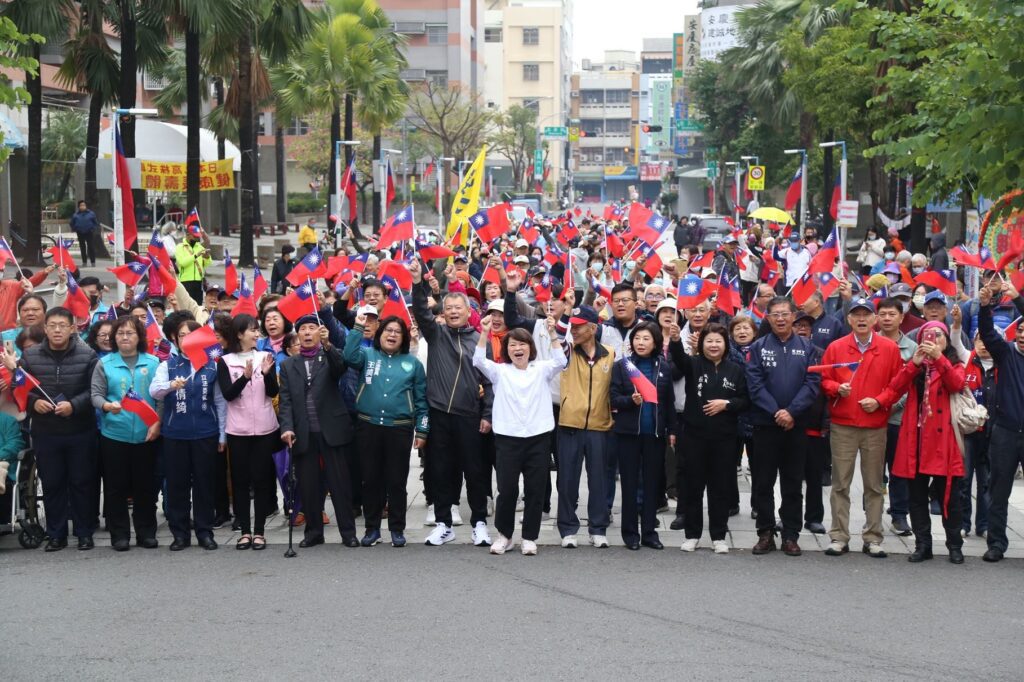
(391, 406)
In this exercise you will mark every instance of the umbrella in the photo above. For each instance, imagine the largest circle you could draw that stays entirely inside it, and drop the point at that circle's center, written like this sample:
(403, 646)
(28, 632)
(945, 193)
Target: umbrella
(775, 215)
(282, 461)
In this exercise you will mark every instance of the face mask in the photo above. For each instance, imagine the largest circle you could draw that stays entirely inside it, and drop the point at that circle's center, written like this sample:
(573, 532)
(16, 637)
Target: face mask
(872, 237)
(890, 256)
(597, 267)
(906, 305)
(917, 270)
(918, 300)
(630, 264)
(94, 299)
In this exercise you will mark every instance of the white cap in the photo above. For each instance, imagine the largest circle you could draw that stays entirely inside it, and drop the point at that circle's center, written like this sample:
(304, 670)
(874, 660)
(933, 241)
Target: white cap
(497, 305)
(367, 310)
(521, 259)
(520, 243)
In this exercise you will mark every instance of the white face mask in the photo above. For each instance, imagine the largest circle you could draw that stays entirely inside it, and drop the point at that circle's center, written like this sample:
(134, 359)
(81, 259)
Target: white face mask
(918, 300)
(597, 267)
(917, 269)
(906, 305)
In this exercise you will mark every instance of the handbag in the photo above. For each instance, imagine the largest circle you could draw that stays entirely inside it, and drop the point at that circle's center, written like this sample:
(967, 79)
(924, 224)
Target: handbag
(968, 416)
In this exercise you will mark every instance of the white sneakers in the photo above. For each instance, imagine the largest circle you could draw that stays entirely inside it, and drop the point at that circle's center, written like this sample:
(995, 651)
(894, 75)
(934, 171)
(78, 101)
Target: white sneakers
(440, 535)
(490, 506)
(529, 548)
(431, 519)
(690, 544)
(457, 517)
(600, 541)
(720, 546)
(501, 545)
(569, 542)
(480, 535)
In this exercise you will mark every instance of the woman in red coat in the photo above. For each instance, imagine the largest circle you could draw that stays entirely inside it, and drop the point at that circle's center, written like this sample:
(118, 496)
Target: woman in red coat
(927, 453)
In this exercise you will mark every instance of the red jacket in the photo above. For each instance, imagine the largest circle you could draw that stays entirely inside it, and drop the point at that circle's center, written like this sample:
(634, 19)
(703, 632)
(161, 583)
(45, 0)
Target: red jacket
(926, 442)
(10, 293)
(878, 366)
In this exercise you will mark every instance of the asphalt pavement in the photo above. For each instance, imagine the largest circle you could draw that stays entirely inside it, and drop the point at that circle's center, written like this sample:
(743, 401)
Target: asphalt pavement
(457, 612)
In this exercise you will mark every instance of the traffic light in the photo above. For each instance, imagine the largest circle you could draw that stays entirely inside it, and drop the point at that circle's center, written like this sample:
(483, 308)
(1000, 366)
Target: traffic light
(650, 128)
(583, 133)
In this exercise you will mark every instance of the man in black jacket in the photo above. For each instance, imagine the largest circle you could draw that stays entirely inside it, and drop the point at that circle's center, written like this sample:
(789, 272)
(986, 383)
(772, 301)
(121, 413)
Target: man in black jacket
(282, 268)
(316, 425)
(64, 429)
(460, 410)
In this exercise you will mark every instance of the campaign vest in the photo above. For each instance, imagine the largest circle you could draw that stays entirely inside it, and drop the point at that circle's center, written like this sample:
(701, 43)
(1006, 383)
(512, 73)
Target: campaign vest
(125, 426)
(190, 413)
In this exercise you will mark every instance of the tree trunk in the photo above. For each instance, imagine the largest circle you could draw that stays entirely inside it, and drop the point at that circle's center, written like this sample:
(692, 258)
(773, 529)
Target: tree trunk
(92, 143)
(349, 104)
(828, 180)
(34, 166)
(245, 138)
(378, 219)
(126, 89)
(193, 76)
(279, 166)
(225, 229)
(332, 173)
(875, 188)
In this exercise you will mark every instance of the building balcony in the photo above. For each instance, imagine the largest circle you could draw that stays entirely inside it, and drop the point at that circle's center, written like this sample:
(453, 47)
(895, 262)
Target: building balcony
(605, 110)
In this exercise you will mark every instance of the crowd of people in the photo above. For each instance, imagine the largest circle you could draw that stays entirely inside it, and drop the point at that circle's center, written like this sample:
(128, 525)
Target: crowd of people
(552, 346)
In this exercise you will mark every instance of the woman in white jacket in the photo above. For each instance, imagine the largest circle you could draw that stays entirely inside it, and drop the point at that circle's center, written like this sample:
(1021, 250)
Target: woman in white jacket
(522, 421)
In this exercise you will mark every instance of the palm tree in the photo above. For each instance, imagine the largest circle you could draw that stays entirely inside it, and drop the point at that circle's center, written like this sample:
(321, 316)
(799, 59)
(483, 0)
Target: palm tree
(51, 20)
(62, 146)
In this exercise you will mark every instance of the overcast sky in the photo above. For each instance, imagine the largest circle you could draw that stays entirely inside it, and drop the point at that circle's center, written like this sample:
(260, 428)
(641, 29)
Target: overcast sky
(602, 25)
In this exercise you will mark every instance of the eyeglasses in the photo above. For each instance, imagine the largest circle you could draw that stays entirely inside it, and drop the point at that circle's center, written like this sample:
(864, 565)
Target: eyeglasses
(57, 326)
(103, 335)
(125, 333)
(622, 300)
(655, 297)
(390, 332)
(780, 316)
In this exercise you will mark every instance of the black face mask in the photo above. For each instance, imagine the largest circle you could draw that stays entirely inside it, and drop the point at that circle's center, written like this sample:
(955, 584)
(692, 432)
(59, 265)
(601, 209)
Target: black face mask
(94, 299)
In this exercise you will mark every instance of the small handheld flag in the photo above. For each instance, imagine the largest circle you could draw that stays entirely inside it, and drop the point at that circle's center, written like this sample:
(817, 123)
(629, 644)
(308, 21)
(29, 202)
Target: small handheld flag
(134, 403)
(309, 268)
(641, 383)
(201, 347)
(230, 274)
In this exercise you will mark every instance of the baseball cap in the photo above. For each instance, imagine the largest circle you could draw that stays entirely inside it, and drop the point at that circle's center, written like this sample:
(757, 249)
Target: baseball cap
(367, 310)
(900, 289)
(801, 315)
(935, 296)
(865, 303)
(730, 239)
(496, 306)
(459, 256)
(520, 243)
(584, 315)
(522, 259)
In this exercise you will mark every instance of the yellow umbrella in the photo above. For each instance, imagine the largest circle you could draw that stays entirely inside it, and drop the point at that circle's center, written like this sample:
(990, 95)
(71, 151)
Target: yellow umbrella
(775, 215)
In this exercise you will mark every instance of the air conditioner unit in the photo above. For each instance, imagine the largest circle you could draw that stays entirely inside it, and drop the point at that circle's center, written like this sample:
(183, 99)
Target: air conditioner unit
(410, 27)
(151, 82)
(413, 75)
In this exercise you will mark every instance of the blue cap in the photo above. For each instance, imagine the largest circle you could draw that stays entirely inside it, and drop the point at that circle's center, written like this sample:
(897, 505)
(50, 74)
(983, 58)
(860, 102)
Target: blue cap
(584, 315)
(935, 296)
(865, 303)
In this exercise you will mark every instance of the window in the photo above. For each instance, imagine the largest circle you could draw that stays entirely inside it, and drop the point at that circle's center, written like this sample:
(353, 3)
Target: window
(531, 36)
(492, 35)
(531, 72)
(437, 34)
(531, 103)
(297, 127)
(261, 123)
(438, 79)
(592, 96)
(616, 96)
(616, 126)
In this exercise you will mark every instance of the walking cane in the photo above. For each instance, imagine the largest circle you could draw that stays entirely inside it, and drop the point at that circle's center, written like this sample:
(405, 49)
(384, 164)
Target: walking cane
(290, 552)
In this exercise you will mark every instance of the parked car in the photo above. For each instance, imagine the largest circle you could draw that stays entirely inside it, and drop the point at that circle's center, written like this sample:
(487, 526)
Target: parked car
(710, 229)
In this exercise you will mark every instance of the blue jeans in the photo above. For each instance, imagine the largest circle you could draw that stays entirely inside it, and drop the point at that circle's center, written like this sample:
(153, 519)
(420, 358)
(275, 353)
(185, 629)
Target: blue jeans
(975, 464)
(899, 490)
(1005, 454)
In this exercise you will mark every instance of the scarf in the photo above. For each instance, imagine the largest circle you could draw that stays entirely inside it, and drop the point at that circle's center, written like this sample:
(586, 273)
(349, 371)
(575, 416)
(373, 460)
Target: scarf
(310, 352)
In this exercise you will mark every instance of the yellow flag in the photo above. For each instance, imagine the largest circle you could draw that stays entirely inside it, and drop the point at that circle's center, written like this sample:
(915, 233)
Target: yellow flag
(467, 200)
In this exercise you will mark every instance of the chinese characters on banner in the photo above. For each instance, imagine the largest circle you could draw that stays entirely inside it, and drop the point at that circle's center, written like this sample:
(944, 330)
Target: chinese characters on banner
(718, 30)
(685, 57)
(163, 176)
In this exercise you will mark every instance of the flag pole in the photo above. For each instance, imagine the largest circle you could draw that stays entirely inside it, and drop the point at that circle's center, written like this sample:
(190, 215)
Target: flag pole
(41, 389)
(316, 311)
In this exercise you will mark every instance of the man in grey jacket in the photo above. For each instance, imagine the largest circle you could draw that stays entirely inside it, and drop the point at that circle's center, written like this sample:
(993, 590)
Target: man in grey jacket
(460, 410)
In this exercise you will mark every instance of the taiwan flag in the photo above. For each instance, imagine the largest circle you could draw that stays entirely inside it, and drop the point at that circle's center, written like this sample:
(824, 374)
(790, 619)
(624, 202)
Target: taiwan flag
(77, 302)
(827, 284)
(428, 251)
(645, 224)
(600, 289)
(348, 188)
(398, 228)
(943, 280)
(397, 272)
(309, 268)
(124, 186)
(641, 383)
(201, 347)
(491, 223)
(259, 284)
(157, 250)
(300, 301)
(131, 273)
(837, 196)
(134, 403)
(542, 290)
(704, 261)
(528, 232)
(193, 227)
(728, 300)
(245, 303)
(795, 188)
(825, 259)
(804, 287)
(394, 304)
(652, 261)
(154, 335)
(20, 386)
(389, 187)
(166, 275)
(614, 212)
(61, 253)
(230, 274)
(613, 243)
(693, 291)
(6, 253)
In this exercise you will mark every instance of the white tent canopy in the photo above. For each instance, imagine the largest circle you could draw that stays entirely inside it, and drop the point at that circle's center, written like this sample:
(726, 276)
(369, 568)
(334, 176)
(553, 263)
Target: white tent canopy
(159, 141)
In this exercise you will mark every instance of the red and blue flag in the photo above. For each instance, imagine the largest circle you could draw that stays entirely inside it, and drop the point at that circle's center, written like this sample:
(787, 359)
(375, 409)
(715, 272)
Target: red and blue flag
(640, 382)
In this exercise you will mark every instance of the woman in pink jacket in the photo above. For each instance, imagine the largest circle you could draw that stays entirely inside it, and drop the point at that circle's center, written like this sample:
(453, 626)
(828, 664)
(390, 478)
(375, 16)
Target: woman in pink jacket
(248, 380)
(927, 452)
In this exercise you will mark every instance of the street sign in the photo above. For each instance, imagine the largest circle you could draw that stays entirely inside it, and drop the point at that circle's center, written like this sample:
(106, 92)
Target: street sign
(756, 181)
(538, 164)
(847, 213)
(688, 125)
(556, 132)
(574, 133)
(712, 169)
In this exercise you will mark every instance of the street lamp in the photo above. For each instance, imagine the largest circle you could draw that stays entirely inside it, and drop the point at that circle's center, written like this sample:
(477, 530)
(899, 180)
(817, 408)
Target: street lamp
(440, 193)
(115, 192)
(736, 181)
(802, 218)
(384, 157)
(338, 194)
(842, 185)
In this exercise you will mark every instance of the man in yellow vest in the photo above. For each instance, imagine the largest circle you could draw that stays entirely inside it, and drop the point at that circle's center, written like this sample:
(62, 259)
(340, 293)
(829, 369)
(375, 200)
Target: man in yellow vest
(192, 257)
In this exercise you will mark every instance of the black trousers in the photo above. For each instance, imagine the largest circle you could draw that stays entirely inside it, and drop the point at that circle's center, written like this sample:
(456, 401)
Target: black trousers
(530, 457)
(249, 456)
(87, 243)
(221, 496)
(67, 469)
(384, 451)
(321, 464)
(779, 454)
(454, 444)
(680, 465)
(195, 290)
(920, 518)
(818, 452)
(643, 457)
(709, 466)
(553, 449)
(190, 466)
(128, 472)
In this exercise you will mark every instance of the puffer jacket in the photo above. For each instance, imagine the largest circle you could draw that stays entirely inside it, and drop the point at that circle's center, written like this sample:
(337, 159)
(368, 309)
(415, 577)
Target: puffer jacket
(67, 374)
(626, 414)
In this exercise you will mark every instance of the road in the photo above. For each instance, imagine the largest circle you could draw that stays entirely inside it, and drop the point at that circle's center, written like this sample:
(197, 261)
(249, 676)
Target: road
(458, 613)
